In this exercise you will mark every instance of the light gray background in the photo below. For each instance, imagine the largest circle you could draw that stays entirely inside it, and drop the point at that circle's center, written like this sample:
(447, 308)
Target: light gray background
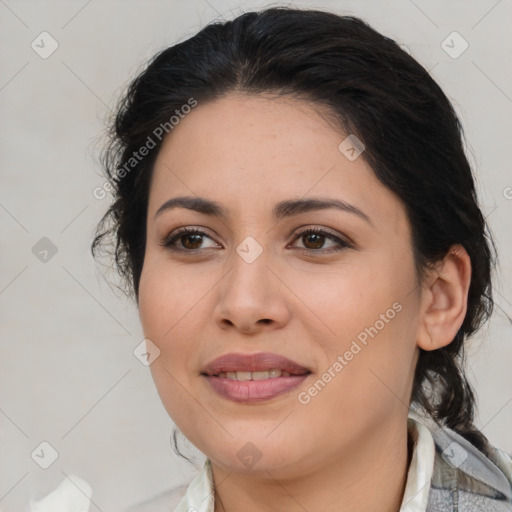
(68, 373)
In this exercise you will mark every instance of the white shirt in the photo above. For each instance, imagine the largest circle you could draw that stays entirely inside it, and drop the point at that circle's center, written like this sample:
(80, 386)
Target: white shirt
(199, 496)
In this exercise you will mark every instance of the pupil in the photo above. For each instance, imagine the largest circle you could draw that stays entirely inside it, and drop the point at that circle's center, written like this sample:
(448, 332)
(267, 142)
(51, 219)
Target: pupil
(318, 241)
(188, 237)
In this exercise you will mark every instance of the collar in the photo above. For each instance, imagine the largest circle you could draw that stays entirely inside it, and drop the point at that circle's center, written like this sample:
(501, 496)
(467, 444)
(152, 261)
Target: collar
(464, 478)
(421, 468)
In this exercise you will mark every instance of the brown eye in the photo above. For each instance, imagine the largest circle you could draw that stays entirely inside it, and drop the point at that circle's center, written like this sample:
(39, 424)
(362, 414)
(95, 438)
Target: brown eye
(185, 240)
(192, 241)
(314, 240)
(317, 240)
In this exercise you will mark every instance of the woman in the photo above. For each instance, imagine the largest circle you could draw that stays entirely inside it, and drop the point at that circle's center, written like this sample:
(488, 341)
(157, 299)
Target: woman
(297, 221)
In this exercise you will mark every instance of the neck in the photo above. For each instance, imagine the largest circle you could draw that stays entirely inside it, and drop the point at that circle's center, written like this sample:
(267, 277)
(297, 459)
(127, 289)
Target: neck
(369, 475)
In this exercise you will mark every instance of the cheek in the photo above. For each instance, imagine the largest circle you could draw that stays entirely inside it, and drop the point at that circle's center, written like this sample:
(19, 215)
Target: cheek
(165, 297)
(152, 308)
(164, 321)
(372, 319)
(162, 316)
(350, 299)
(172, 317)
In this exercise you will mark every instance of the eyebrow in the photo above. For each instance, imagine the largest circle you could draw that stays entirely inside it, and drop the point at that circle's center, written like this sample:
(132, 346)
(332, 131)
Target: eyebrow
(281, 210)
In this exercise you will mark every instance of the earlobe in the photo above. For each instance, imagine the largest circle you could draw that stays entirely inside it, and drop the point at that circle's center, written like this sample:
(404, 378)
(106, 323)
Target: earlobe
(444, 300)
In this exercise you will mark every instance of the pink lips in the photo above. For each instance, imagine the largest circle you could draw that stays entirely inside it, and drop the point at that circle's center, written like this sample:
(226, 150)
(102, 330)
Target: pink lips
(253, 390)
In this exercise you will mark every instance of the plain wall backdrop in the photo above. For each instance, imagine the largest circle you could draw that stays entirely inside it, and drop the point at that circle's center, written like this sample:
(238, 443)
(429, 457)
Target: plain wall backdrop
(68, 374)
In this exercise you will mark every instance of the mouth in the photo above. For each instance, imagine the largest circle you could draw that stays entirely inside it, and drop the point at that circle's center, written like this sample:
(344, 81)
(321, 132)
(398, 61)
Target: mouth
(273, 373)
(260, 366)
(253, 377)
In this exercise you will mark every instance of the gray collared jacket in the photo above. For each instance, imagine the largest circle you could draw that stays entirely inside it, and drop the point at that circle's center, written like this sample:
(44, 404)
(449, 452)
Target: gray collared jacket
(465, 480)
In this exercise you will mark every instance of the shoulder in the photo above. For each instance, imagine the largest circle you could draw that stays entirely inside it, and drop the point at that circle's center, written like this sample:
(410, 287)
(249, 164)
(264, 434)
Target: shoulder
(465, 479)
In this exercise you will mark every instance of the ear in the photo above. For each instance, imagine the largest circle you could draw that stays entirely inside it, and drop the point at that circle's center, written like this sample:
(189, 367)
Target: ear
(444, 299)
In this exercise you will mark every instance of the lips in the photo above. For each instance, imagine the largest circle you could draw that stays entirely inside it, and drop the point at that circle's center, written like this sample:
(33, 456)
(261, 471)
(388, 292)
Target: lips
(264, 361)
(253, 378)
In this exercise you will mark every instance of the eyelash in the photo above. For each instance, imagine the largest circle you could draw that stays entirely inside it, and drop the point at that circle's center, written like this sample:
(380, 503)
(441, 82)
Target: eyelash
(170, 241)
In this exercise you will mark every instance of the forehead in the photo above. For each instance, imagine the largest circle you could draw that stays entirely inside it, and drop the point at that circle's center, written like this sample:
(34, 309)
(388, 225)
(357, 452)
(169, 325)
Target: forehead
(257, 151)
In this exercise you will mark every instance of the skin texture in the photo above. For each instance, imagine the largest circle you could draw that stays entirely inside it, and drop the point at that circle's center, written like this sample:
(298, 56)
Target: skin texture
(346, 449)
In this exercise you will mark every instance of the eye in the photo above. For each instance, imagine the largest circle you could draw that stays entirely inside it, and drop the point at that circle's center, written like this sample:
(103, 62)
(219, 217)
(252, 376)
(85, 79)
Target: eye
(190, 240)
(315, 239)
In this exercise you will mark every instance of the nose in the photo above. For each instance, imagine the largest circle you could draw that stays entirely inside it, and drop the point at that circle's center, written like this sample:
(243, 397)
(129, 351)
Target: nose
(251, 298)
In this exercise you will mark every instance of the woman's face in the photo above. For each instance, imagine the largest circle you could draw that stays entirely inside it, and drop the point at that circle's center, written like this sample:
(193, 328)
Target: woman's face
(342, 304)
